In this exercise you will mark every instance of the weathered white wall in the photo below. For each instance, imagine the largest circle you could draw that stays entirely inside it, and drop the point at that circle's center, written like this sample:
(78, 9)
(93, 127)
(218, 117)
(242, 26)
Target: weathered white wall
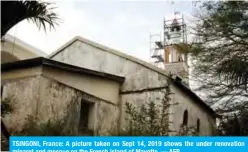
(21, 73)
(17, 51)
(63, 102)
(23, 95)
(176, 67)
(180, 69)
(137, 77)
(137, 99)
(46, 99)
(99, 87)
(194, 112)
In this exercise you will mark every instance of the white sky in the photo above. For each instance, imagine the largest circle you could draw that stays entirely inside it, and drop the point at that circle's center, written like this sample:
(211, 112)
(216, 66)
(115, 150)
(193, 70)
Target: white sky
(122, 25)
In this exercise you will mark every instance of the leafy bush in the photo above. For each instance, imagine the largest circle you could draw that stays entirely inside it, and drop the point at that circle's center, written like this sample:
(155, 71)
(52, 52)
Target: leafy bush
(152, 119)
(32, 127)
(6, 107)
(234, 124)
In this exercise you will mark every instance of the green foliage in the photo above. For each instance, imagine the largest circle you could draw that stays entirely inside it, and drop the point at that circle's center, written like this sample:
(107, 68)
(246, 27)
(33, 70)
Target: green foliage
(55, 126)
(38, 12)
(152, 118)
(235, 124)
(33, 127)
(220, 53)
(187, 131)
(6, 107)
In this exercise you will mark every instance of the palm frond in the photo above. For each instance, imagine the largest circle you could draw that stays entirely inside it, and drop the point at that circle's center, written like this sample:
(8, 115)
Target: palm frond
(38, 12)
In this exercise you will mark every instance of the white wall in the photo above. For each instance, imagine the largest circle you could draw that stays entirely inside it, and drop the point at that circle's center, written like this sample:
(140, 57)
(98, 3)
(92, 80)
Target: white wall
(99, 87)
(46, 99)
(137, 76)
(194, 112)
(17, 51)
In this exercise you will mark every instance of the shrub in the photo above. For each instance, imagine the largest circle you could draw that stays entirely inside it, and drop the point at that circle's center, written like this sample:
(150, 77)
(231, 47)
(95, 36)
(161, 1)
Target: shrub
(6, 107)
(152, 119)
(33, 127)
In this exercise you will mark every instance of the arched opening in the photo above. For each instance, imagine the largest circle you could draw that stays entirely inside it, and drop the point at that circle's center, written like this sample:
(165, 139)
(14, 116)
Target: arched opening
(198, 125)
(185, 118)
(175, 26)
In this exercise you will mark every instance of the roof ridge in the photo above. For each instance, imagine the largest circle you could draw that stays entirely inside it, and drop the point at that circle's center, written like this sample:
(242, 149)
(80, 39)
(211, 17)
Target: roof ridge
(112, 51)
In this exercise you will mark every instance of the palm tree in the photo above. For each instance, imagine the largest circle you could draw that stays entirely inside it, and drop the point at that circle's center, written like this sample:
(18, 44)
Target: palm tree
(13, 12)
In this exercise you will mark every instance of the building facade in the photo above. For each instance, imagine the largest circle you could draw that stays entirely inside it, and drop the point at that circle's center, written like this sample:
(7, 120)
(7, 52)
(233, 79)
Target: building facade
(88, 85)
(51, 91)
(143, 82)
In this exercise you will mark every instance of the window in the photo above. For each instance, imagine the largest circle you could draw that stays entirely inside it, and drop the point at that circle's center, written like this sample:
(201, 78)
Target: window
(176, 27)
(1, 90)
(185, 118)
(84, 115)
(198, 125)
(2, 87)
(180, 58)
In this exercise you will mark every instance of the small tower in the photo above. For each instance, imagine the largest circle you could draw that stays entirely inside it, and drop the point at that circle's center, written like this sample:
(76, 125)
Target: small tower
(175, 35)
(167, 53)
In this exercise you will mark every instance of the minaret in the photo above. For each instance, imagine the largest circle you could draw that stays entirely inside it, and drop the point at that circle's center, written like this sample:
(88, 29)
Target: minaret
(164, 52)
(174, 35)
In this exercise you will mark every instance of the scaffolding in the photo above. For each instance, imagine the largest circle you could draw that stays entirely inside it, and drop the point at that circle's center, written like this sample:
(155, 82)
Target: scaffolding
(174, 32)
(156, 47)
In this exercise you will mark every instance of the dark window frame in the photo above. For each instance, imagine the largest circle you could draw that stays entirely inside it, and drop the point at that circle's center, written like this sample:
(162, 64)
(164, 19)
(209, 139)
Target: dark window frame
(84, 117)
(185, 117)
(198, 125)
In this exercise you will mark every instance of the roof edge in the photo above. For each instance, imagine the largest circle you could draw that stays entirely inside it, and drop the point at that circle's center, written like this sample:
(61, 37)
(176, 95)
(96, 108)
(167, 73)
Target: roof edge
(180, 85)
(112, 51)
(62, 47)
(52, 63)
(134, 59)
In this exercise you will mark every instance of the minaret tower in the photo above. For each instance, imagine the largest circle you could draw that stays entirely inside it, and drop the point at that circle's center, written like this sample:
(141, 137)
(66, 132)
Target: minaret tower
(166, 53)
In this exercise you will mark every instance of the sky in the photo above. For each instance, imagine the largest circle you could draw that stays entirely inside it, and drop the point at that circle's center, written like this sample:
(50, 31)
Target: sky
(122, 25)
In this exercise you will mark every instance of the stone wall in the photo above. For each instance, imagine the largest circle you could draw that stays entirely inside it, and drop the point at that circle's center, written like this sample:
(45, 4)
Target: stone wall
(179, 69)
(139, 98)
(195, 111)
(99, 87)
(142, 82)
(61, 101)
(23, 95)
(47, 99)
(137, 77)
